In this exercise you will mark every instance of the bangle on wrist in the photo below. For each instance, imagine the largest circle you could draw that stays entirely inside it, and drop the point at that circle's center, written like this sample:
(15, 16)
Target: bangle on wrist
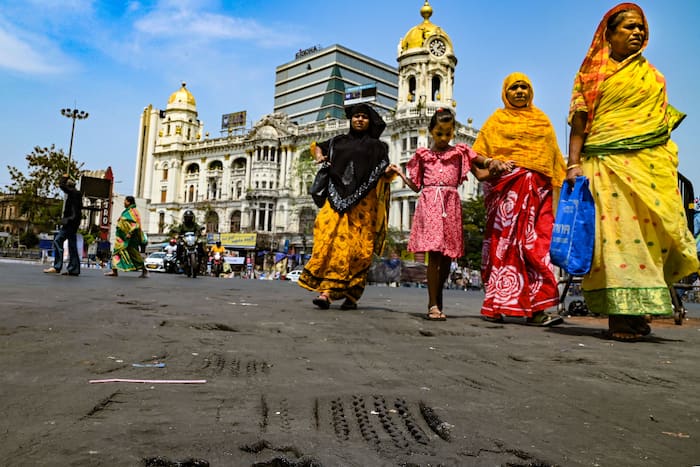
(573, 166)
(487, 162)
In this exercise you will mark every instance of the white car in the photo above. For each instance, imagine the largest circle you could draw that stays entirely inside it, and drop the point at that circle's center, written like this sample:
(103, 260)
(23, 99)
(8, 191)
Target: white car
(293, 275)
(154, 262)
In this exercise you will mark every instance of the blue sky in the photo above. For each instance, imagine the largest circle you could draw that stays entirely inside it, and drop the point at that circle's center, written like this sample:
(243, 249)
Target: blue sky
(112, 59)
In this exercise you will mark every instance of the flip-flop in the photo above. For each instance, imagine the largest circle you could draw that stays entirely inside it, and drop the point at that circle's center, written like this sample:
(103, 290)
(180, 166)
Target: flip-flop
(322, 302)
(435, 315)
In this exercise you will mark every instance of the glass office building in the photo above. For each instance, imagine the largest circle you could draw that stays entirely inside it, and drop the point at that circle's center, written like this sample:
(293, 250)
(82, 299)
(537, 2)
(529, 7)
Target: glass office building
(312, 87)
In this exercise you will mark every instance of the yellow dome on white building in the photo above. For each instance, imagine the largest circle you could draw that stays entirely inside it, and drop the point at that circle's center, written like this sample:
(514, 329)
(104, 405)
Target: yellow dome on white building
(182, 96)
(417, 35)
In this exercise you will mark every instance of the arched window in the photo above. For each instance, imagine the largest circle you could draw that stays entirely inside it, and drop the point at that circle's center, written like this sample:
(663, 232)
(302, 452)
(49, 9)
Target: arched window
(435, 91)
(307, 216)
(412, 88)
(212, 222)
(192, 169)
(235, 221)
(216, 165)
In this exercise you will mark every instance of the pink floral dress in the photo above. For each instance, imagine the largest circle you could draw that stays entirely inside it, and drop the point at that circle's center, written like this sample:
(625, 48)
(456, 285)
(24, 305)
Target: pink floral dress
(437, 223)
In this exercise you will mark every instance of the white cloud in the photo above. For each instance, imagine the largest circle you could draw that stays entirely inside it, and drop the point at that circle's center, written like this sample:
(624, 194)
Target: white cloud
(180, 21)
(19, 55)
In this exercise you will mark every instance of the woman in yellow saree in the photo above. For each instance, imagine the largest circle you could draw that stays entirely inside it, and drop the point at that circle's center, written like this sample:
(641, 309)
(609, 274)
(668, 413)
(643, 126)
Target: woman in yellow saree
(620, 140)
(351, 226)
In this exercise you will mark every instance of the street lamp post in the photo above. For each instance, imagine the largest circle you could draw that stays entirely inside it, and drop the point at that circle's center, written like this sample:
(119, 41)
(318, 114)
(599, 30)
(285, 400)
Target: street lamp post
(73, 114)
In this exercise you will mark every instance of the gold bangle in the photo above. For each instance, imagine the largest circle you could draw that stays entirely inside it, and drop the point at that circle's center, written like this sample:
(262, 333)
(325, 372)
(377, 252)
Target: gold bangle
(487, 162)
(573, 166)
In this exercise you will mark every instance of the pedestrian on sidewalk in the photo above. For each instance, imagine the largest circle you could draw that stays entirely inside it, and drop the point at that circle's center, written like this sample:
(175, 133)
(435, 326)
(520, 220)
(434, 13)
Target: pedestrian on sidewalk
(70, 221)
(436, 172)
(126, 255)
(515, 267)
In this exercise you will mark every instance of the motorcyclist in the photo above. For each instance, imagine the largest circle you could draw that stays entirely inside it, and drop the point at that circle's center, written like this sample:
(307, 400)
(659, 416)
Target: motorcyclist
(171, 247)
(217, 261)
(218, 248)
(190, 225)
(171, 255)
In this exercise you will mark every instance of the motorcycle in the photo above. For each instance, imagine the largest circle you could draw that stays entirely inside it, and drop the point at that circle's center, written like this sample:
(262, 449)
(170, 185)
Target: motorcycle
(217, 265)
(190, 260)
(170, 263)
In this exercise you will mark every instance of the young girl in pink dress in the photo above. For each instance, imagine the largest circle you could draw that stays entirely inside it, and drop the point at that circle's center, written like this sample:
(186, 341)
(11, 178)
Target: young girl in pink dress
(437, 223)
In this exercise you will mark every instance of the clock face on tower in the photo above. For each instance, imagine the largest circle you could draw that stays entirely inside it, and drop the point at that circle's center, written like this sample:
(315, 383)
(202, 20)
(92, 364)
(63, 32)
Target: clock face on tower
(437, 47)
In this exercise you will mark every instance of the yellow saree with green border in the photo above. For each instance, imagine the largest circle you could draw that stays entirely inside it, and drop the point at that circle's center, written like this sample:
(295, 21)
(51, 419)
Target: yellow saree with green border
(643, 244)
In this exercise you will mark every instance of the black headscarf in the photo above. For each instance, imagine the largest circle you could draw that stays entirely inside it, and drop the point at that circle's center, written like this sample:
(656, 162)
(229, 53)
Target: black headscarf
(358, 160)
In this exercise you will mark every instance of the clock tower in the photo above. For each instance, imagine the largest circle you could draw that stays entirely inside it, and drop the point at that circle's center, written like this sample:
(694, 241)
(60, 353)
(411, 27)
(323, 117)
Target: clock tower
(426, 67)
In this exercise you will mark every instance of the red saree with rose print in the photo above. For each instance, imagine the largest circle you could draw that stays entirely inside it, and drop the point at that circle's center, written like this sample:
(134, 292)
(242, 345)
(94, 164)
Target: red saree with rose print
(515, 267)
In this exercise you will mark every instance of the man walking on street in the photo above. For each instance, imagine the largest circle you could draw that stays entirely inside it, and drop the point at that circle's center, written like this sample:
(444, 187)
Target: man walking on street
(69, 229)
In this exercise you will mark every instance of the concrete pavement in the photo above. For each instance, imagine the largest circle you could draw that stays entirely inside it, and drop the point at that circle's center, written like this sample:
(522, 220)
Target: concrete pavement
(287, 384)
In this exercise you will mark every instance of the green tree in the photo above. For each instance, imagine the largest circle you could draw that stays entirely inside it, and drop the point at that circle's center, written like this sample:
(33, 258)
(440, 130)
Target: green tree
(395, 242)
(306, 166)
(35, 189)
(473, 224)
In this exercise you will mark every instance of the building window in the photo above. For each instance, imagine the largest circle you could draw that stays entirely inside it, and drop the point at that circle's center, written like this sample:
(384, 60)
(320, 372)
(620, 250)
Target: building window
(435, 88)
(165, 173)
(236, 221)
(191, 194)
(270, 207)
(212, 222)
(163, 195)
(414, 143)
(161, 222)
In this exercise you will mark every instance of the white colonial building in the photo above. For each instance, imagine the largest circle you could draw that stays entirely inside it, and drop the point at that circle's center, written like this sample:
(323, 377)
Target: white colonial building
(256, 181)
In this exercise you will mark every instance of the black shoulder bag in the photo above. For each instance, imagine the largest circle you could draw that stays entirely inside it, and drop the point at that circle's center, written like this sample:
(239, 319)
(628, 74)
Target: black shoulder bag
(319, 188)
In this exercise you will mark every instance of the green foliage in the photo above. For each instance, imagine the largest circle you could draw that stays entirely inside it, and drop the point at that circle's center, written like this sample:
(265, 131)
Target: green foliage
(29, 239)
(395, 242)
(305, 166)
(473, 224)
(39, 186)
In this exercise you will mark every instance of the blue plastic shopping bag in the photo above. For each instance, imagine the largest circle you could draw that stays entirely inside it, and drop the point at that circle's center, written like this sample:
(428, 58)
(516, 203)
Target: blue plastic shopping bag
(574, 229)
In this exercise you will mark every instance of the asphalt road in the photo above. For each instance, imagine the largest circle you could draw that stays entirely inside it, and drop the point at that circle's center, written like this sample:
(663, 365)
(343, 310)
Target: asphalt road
(280, 383)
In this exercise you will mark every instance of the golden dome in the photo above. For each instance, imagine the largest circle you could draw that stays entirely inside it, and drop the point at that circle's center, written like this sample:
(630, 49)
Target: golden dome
(416, 36)
(182, 95)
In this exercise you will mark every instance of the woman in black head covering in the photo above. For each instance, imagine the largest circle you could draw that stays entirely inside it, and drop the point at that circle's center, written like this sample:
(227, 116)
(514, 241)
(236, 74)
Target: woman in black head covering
(351, 225)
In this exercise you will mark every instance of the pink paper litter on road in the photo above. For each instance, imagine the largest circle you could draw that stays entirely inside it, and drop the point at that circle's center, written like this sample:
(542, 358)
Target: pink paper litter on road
(149, 381)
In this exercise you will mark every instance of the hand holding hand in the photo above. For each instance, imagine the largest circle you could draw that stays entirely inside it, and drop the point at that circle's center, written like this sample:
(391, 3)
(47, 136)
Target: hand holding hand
(317, 154)
(497, 167)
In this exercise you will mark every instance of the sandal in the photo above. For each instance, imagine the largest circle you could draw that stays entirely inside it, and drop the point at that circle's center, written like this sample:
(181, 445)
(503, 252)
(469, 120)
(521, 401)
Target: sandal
(626, 328)
(543, 319)
(111, 274)
(434, 314)
(621, 336)
(639, 324)
(322, 301)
